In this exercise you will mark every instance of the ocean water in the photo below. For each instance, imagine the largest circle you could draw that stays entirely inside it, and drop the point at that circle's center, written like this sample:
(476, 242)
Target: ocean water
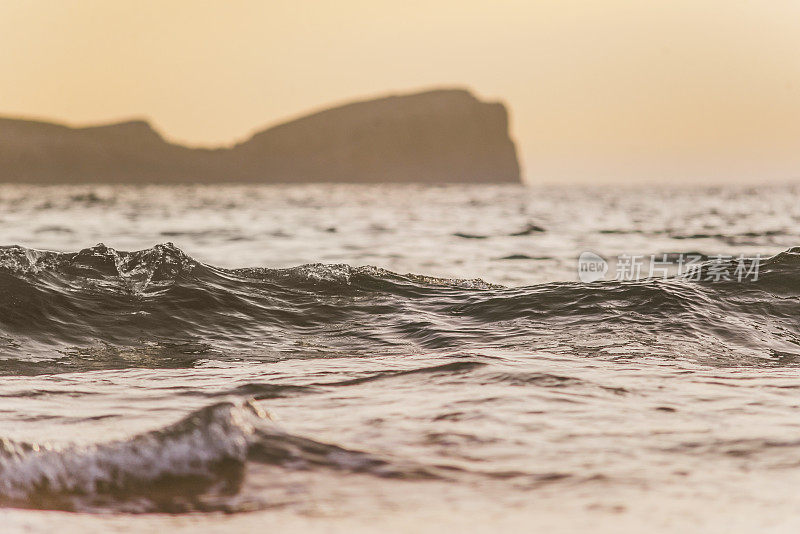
(396, 358)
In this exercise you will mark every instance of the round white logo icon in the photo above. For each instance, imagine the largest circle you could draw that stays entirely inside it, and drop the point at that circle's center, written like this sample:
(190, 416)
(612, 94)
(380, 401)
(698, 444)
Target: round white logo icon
(591, 267)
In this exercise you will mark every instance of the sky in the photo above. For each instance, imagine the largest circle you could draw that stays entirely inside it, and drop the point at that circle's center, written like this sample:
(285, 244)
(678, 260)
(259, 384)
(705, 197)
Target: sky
(639, 91)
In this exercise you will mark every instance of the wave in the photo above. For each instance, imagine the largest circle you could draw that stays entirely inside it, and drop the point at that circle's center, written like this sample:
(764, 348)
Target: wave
(100, 308)
(197, 464)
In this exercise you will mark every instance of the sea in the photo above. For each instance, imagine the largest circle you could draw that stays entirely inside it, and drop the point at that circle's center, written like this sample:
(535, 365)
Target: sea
(399, 358)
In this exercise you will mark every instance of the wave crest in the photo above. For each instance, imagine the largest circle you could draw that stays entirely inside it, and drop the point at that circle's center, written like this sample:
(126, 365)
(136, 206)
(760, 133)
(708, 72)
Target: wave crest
(100, 308)
(198, 463)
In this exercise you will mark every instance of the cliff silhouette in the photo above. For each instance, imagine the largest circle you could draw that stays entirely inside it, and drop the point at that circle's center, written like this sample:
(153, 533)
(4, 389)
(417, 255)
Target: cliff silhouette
(437, 136)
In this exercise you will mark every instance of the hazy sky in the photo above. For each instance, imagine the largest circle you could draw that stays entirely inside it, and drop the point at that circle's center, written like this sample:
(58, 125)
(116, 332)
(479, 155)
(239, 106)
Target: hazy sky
(633, 90)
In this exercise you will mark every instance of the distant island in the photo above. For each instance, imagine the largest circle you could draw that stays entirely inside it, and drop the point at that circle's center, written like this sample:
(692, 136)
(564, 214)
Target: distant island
(439, 136)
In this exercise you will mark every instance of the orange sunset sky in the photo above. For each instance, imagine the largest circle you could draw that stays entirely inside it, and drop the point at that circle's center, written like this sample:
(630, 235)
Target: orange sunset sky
(629, 91)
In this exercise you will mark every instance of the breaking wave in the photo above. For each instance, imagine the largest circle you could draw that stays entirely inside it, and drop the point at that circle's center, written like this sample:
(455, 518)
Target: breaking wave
(197, 464)
(100, 308)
